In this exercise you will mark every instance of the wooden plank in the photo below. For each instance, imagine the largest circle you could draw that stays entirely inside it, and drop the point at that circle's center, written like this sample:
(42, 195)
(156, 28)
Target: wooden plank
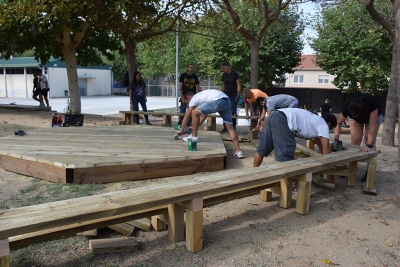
(123, 228)
(111, 245)
(34, 169)
(106, 205)
(117, 173)
(72, 229)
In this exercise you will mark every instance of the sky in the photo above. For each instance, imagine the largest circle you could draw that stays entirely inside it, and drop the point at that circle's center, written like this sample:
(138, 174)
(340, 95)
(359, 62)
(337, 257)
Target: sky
(309, 9)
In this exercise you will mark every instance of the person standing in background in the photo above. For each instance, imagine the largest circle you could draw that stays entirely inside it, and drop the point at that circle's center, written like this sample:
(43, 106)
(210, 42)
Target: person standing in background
(325, 108)
(188, 81)
(36, 89)
(231, 87)
(137, 94)
(44, 87)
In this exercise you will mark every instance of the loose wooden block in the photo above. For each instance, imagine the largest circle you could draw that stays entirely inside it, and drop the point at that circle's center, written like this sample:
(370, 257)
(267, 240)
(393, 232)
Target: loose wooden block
(323, 182)
(92, 232)
(123, 228)
(157, 223)
(143, 224)
(101, 246)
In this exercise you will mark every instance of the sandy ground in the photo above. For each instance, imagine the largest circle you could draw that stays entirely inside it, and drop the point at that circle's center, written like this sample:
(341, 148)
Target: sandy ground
(344, 227)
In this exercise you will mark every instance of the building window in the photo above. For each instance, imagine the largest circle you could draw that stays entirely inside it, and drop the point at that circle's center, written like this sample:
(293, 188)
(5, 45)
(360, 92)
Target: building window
(298, 79)
(323, 79)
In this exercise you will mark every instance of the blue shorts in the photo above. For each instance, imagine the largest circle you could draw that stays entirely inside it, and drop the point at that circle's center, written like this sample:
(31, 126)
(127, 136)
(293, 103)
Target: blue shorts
(222, 106)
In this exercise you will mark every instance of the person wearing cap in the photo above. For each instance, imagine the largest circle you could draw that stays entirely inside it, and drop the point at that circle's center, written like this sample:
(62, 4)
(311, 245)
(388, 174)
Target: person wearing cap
(231, 87)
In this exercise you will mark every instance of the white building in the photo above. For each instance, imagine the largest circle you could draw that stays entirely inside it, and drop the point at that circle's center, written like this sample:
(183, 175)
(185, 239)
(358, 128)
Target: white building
(309, 75)
(16, 78)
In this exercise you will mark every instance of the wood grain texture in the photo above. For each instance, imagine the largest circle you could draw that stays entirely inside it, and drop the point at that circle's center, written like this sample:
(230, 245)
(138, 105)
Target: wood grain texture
(108, 154)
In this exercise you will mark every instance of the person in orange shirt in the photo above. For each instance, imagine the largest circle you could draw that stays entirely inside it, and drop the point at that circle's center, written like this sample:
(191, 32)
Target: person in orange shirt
(251, 96)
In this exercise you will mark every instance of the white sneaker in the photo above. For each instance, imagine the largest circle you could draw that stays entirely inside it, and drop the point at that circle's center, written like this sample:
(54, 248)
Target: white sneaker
(195, 139)
(238, 155)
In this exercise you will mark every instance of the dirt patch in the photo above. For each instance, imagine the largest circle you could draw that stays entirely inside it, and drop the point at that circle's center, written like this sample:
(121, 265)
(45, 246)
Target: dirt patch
(344, 227)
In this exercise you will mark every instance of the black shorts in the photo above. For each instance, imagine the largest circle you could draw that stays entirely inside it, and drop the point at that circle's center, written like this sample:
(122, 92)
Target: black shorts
(36, 92)
(44, 92)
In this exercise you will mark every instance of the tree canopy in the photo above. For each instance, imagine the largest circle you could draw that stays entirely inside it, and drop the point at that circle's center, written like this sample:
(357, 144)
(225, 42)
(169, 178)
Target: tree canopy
(353, 47)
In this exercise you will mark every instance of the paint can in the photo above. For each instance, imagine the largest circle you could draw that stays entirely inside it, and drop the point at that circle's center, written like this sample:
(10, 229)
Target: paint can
(192, 146)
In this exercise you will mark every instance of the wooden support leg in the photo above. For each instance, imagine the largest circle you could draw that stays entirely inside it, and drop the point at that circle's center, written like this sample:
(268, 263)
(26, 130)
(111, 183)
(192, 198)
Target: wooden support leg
(371, 172)
(310, 144)
(352, 174)
(194, 224)
(176, 225)
(285, 200)
(167, 120)
(4, 253)
(303, 193)
(253, 133)
(211, 124)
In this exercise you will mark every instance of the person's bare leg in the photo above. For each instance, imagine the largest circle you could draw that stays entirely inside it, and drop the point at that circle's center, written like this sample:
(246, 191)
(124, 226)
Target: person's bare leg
(195, 121)
(47, 101)
(234, 136)
(356, 132)
(258, 159)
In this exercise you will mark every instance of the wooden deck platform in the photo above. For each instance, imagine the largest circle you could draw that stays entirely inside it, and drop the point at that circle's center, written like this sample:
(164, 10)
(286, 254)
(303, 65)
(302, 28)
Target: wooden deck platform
(104, 154)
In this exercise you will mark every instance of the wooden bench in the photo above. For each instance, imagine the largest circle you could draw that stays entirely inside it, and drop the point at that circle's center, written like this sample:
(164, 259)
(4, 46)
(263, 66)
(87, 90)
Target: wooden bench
(167, 119)
(190, 193)
(368, 185)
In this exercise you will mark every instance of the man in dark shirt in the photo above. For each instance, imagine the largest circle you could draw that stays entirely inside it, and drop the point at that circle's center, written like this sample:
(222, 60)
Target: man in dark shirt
(231, 87)
(187, 82)
(325, 107)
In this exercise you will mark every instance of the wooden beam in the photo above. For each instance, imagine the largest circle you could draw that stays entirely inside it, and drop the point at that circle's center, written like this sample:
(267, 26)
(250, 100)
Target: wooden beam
(352, 173)
(111, 245)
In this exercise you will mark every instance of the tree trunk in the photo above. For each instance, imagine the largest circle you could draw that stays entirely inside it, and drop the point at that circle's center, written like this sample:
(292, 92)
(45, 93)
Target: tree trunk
(69, 53)
(395, 74)
(254, 55)
(130, 48)
(389, 124)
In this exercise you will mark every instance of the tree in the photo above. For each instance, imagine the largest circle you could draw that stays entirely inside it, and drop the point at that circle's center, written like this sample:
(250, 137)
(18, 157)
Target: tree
(390, 21)
(136, 21)
(354, 48)
(268, 12)
(207, 46)
(68, 30)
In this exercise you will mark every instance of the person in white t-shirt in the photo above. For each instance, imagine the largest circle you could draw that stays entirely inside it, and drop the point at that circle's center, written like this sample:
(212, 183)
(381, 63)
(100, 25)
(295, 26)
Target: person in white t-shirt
(44, 86)
(283, 125)
(207, 102)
